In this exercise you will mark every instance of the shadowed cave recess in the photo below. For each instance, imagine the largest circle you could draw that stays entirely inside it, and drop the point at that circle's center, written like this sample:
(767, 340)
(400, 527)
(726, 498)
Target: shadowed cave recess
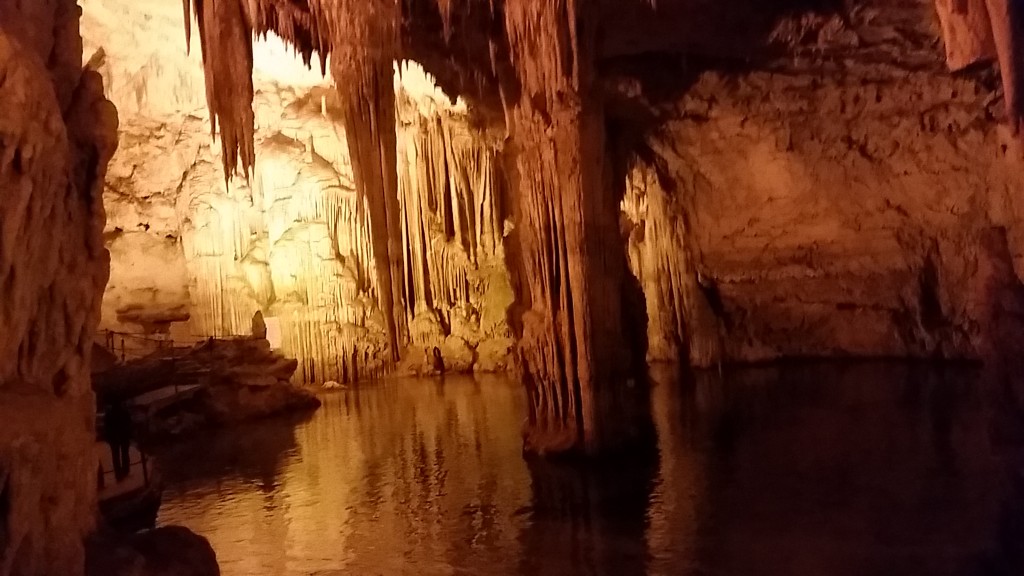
(563, 190)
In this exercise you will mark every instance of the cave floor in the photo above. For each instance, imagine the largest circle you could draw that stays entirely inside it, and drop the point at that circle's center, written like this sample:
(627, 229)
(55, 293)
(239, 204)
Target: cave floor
(804, 470)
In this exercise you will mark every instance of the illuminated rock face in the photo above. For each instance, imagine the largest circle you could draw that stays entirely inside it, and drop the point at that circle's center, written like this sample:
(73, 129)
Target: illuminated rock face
(57, 133)
(824, 215)
(195, 258)
(452, 196)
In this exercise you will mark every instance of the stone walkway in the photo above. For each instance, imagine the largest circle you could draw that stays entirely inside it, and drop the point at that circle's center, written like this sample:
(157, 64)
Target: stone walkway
(111, 487)
(163, 397)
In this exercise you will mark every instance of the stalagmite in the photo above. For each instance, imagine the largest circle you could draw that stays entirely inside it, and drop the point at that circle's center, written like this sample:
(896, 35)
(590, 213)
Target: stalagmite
(681, 324)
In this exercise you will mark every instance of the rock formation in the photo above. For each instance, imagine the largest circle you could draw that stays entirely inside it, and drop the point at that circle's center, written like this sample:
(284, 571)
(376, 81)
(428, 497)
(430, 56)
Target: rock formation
(570, 259)
(979, 30)
(223, 382)
(783, 179)
(193, 258)
(809, 209)
(405, 228)
(57, 133)
(452, 200)
(165, 551)
(572, 342)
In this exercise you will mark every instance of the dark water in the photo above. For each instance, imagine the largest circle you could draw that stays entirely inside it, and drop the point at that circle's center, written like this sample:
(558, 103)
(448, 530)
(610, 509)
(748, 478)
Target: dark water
(816, 470)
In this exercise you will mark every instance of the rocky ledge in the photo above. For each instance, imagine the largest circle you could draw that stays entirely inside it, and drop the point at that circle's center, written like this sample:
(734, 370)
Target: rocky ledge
(215, 383)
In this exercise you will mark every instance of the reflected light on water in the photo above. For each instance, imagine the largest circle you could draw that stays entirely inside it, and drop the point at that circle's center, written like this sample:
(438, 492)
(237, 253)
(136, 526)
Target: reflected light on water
(839, 470)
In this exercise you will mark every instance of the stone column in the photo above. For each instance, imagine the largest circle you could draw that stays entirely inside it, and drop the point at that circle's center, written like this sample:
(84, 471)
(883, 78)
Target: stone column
(571, 258)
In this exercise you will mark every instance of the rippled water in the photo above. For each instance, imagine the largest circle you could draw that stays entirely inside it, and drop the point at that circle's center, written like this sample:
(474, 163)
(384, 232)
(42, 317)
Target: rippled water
(817, 470)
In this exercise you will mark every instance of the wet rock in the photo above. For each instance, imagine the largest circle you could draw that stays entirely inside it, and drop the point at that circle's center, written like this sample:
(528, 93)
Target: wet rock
(256, 380)
(248, 380)
(235, 380)
(164, 551)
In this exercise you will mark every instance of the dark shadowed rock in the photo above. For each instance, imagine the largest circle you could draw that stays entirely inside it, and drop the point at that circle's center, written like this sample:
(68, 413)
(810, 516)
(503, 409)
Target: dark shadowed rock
(165, 551)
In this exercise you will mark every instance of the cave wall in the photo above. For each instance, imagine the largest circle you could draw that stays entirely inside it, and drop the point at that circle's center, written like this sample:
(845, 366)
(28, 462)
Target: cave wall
(823, 207)
(57, 133)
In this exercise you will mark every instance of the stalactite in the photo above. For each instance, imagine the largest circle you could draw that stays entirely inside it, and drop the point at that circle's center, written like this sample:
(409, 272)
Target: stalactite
(362, 36)
(226, 42)
(369, 126)
(447, 9)
(1007, 22)
(365, 45)
(441, 161)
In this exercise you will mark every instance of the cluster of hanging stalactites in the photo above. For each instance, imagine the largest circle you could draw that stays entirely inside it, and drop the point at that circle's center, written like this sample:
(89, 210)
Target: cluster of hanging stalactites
(539, 34)
(225, 36)
(226, 30)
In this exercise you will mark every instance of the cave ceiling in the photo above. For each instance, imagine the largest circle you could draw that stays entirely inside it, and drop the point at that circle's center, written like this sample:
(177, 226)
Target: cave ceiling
(464, 45)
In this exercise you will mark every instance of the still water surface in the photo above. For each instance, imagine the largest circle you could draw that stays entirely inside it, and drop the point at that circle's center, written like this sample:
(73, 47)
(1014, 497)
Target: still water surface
(813, 470)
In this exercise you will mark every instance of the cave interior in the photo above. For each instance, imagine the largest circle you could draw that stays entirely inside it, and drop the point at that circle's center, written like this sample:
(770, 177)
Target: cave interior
(568, 190)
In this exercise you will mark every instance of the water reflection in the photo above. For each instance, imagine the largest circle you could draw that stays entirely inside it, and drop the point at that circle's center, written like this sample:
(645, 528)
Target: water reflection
(859, 469)
(589, 519)
(816, 469)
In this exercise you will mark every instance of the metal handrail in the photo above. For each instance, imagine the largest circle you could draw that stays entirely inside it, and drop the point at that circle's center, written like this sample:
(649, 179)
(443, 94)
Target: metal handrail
(162, 343)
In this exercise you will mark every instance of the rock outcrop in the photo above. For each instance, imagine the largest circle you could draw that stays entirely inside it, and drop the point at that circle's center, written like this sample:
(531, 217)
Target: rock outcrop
(215, 383)
(247, 381)
(165, 551)
(57, 133)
